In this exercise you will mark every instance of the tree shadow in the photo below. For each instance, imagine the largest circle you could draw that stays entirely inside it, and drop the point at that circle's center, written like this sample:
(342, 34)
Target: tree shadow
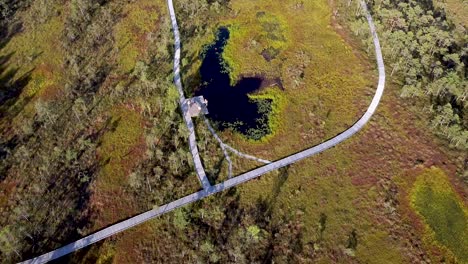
(8, 31)
(10, 90)
(263, 210)
(280, 181)
(69, 187)
(214, 173)
(51, 234)
(11, 87)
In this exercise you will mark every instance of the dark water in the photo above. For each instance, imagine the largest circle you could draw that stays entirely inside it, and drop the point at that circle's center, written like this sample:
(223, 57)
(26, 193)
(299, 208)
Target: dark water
(229, 105)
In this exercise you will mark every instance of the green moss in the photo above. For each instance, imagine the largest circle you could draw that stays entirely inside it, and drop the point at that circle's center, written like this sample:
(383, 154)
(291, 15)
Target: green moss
(273, 31)
(106, 254)
(443, 212)
(37, 51)
(260, 32)
(254, 231)
(117, 144)
(132, 33)
(377, 248)
(37, 46)
(311, 187)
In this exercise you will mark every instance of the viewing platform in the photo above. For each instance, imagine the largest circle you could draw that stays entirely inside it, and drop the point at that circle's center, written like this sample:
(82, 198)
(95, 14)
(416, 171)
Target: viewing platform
(196, 106)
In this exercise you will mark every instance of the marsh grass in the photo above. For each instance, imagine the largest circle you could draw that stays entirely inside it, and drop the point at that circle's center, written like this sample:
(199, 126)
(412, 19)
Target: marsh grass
(276, 104)
(135, 32)
(35, 51)
(458, 10)
(323, 79)
(444, 213)
(122, 147)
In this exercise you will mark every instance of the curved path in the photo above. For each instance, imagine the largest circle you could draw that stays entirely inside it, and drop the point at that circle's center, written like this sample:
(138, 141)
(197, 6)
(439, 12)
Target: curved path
(243, 155)
(221, 145)
(225, 147)
(136, 220)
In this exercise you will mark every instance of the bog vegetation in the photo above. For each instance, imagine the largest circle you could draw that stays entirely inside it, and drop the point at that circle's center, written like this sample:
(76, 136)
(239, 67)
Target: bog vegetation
(91, 132)
(86, 100)
(427, 55)
(445, 215)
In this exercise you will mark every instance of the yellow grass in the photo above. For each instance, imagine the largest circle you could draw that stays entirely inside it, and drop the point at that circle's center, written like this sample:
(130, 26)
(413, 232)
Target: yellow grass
(458, 11)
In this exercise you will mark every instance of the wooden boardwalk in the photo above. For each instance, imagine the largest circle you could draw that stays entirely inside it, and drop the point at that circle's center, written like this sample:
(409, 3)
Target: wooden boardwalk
(136, 220)
(226, 147)
(182, 102)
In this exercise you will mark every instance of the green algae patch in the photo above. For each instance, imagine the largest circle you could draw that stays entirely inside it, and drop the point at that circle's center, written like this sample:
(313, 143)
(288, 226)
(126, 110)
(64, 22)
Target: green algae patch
(443, 212)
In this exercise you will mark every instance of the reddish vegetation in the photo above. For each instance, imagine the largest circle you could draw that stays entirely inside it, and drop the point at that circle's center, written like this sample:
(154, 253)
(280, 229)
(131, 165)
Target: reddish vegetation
(110, 83)
(409, 218)
(393, 145)
(132, 252)
(141, 41)
(51, 92)
(7, 188)
(134, 157)
(389, 153)
(108, 209)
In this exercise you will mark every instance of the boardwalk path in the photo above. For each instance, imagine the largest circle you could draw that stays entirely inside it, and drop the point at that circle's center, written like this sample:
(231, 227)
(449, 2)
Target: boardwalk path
(226, 147)
(182, 102)
(221, 145)
(136, 220)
